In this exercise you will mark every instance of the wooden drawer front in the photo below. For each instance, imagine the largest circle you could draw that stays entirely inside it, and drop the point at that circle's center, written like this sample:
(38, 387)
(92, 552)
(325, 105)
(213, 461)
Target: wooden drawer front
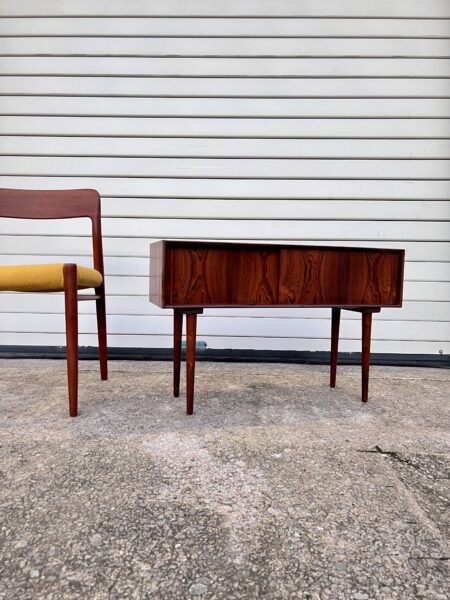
(338, 277)
(222, 276)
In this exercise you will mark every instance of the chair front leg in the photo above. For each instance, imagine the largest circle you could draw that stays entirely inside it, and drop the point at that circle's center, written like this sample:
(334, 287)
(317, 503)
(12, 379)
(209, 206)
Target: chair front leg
(71, 306)
(100, 306)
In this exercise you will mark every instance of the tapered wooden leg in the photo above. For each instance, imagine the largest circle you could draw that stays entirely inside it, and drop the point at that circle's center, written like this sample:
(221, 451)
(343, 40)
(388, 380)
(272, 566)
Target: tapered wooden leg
(335, 320)
(177, 335)
(101, 331)
(191, 333)
(366, 332)
(71, 305)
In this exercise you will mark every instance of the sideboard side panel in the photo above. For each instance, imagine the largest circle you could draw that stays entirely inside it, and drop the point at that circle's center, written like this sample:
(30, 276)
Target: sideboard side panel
(156, 278)
(398, 268)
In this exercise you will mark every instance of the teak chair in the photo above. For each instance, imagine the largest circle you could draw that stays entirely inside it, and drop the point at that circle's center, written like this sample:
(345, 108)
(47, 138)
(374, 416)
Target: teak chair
(69, 277)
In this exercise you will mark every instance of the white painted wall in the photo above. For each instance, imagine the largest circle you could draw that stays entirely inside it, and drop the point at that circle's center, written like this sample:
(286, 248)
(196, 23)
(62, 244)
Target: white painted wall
(321, 121)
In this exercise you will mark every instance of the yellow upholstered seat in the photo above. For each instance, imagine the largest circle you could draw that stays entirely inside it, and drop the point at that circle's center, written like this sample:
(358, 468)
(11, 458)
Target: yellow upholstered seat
(44, 278)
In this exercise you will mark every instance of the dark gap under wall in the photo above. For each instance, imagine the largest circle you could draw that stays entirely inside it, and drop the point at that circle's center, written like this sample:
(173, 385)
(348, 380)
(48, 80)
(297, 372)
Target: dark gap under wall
(217, 355)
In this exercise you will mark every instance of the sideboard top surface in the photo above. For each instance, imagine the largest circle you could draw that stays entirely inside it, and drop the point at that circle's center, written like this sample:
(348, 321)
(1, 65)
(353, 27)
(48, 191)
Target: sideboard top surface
(263, 245)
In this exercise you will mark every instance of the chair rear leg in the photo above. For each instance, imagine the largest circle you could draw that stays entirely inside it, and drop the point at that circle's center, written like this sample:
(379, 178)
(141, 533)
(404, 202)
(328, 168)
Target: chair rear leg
(71, 305)
(101, 331)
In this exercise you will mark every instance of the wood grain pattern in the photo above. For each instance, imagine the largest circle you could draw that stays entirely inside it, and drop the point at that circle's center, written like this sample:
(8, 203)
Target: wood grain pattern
(207, 276)
(71, 311)
(219, 274)
(200, 276)
(49, 204)
(337, 277)
(254, 276)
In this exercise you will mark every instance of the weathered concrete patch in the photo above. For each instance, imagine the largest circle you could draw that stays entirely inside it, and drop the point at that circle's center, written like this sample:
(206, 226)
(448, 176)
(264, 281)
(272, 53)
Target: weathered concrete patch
(277, 487)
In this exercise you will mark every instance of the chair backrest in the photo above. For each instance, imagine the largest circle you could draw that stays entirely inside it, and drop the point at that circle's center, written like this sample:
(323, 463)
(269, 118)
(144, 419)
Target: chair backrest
(57, 204)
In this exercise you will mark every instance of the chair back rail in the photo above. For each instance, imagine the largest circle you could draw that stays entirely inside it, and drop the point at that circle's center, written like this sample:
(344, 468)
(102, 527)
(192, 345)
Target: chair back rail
(57, 204)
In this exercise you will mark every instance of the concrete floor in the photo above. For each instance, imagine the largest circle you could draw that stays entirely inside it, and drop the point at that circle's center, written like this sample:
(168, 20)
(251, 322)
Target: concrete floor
(278, 487)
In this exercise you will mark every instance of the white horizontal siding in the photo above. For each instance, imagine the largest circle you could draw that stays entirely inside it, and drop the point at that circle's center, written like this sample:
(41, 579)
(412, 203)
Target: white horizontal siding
(235, 127)
(220, 47)
(279, 27)
(235, 188)
(243, 229)
(224, 148)
(268, 120)
(225, 67)
(231, 8)
(236, 168)
(227, 107)
(228, 87)
(339, 210)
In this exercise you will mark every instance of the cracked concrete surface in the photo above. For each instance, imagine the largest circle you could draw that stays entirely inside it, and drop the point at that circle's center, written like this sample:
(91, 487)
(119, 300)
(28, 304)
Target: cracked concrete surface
(277, 487)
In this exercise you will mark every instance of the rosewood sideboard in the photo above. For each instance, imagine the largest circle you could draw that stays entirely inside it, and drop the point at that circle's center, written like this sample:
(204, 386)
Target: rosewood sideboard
(191, 276)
